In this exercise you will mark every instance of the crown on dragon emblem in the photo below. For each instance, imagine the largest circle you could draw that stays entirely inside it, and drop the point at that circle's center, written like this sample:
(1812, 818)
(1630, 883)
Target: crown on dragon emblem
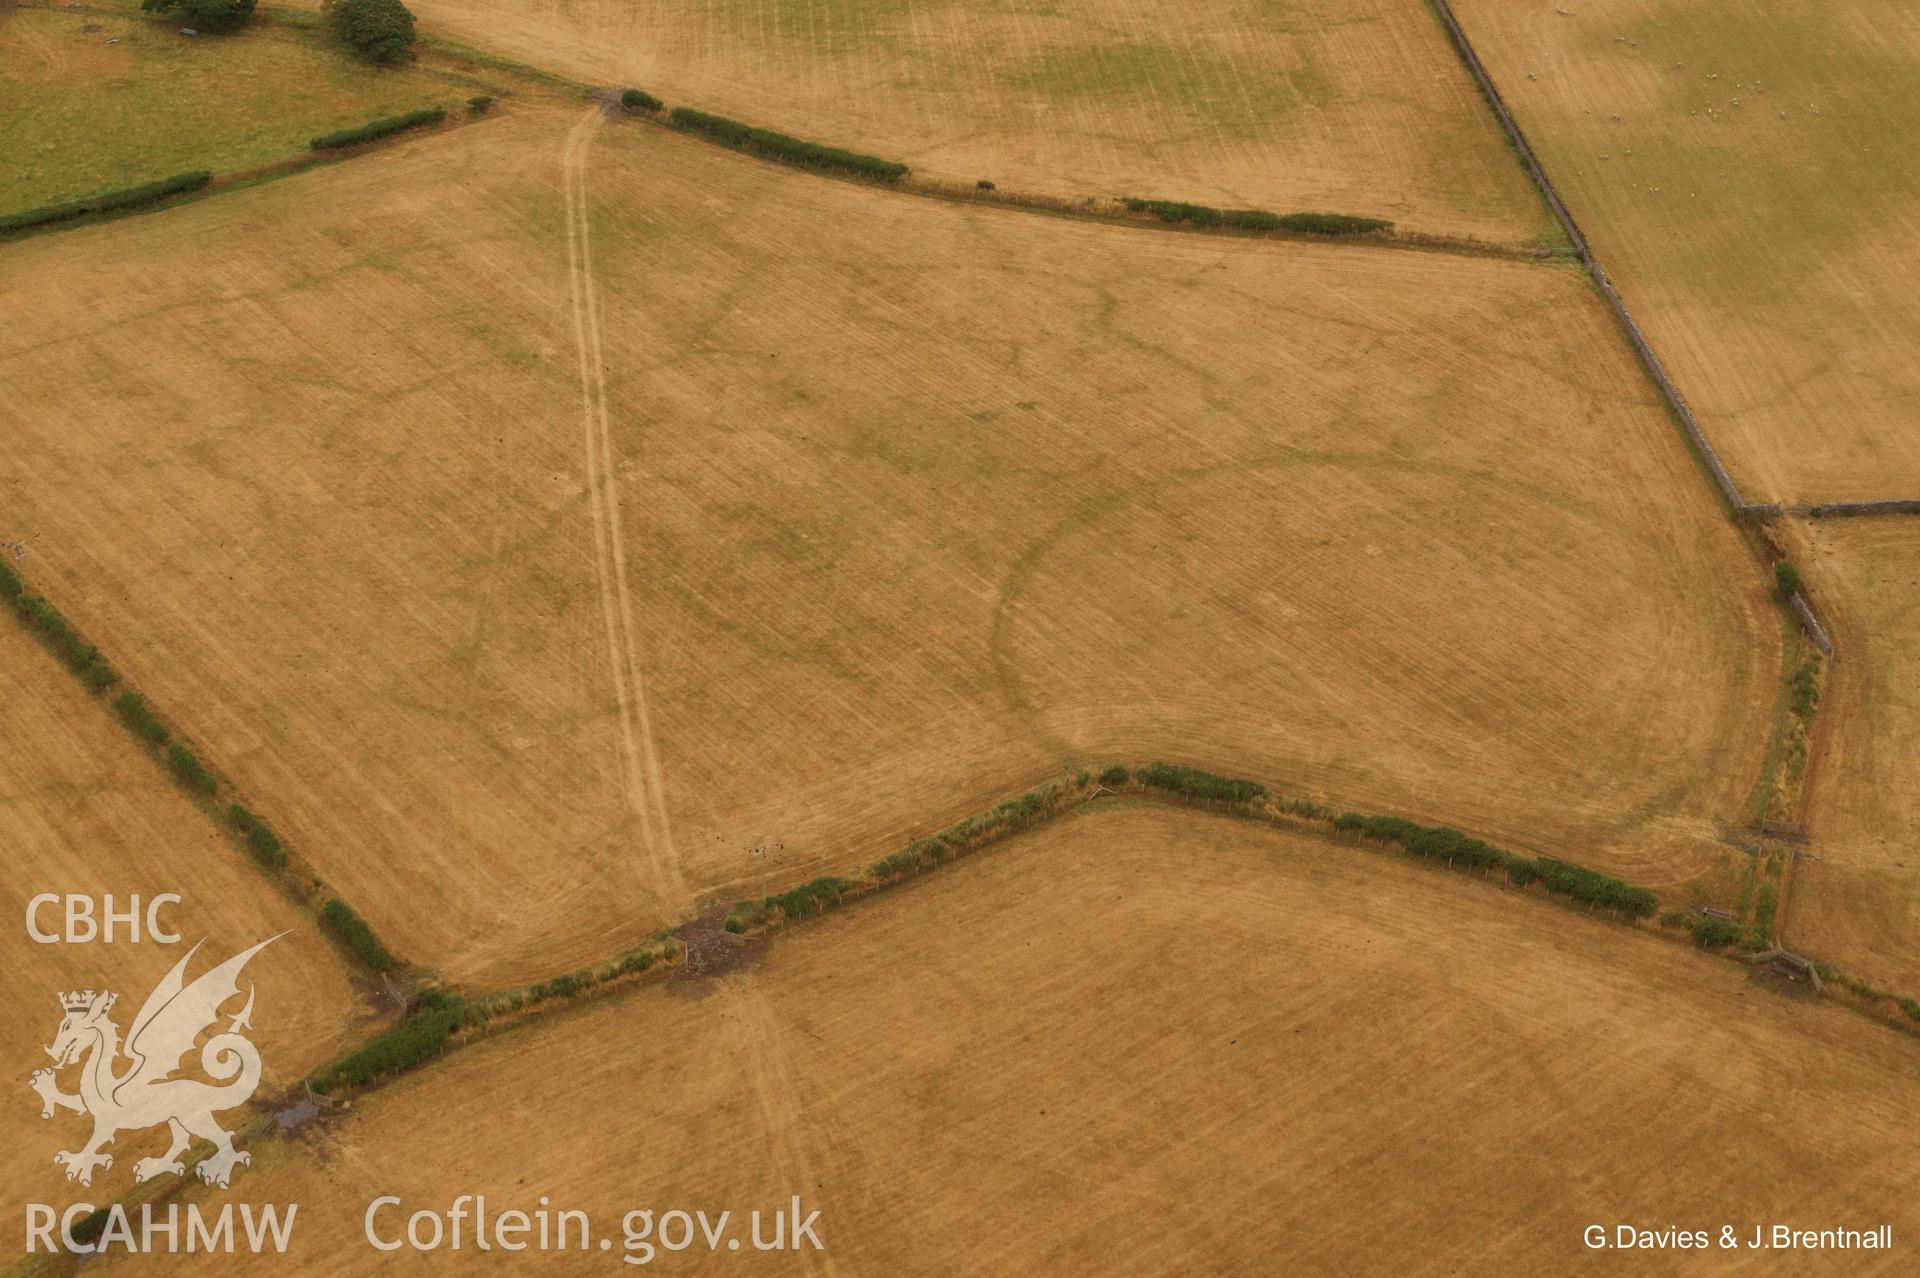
(144, 1092)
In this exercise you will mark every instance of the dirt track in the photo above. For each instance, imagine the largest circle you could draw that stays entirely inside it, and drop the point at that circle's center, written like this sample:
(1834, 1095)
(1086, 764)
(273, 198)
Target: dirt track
(645, 790)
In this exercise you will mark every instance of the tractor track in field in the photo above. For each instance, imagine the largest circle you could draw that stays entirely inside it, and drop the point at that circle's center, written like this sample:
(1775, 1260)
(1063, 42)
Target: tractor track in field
(644, 783)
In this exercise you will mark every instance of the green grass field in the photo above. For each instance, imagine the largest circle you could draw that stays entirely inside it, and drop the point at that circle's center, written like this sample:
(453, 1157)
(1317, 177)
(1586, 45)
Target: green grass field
(82, 115)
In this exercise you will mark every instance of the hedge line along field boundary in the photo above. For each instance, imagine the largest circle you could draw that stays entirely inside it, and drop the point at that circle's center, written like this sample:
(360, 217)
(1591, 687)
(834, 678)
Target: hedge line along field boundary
(439, 1021)
(130, 197)
(1443, 848)
(1173, 783)
(770, 145)
(374, 130)
(154, 735)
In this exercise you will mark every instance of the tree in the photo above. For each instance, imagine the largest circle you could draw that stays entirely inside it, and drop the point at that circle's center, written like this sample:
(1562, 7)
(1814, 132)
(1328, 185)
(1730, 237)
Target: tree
(1786, 578)
(378, 30)
(226, 16)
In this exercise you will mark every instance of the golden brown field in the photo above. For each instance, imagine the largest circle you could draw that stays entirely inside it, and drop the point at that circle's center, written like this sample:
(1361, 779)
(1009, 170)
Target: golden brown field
(1160, 1042)
(1857, 901)
(365, 519)
(81, 811)
(1745, 172)
(887, 507)
(1309, 104)
(557, 528)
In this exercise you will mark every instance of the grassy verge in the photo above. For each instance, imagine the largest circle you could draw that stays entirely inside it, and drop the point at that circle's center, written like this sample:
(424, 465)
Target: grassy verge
(1899, 1010)
(84, 116)
(1760, 798)
(1805, 681)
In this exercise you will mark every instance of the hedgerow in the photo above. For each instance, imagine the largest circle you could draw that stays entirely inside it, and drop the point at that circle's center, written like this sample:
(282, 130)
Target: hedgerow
(640, 100)
(11, 587)
(1766, 904)
(1115, 775)
(921, 854)
(1175, 211)
(809, 898)
(1803, 689)
(74, 652)
(1436, 842)
(377, 129)
(1172, 211)
(187, 766)
(779, 146)
(745, 915)
(819, 894)
(92, 1225)
(1196, 784)
(1011, 815)
(1715, 933)
(354, 933)
(569, 984)
(139, 716)
(1333, 224)
(1786, 579)
(1444, 842)
(1594, 888)
(423, 1035)
(264, 842)
(106, 202)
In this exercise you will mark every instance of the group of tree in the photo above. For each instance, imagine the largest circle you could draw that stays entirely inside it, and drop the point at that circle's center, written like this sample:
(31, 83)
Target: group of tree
(378, 30)
(224, 16)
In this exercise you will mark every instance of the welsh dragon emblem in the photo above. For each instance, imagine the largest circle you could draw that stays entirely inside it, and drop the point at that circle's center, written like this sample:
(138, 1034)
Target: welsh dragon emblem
(144, 1092)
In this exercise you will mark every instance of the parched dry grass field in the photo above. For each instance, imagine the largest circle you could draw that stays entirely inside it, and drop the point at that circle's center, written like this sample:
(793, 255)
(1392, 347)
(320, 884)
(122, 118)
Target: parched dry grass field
(1160, 1042)
(1858, 903)
(1745, 172)
(893, 507)
(81, 811)
(83, 115)
(337, 526)
(1307, 104)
